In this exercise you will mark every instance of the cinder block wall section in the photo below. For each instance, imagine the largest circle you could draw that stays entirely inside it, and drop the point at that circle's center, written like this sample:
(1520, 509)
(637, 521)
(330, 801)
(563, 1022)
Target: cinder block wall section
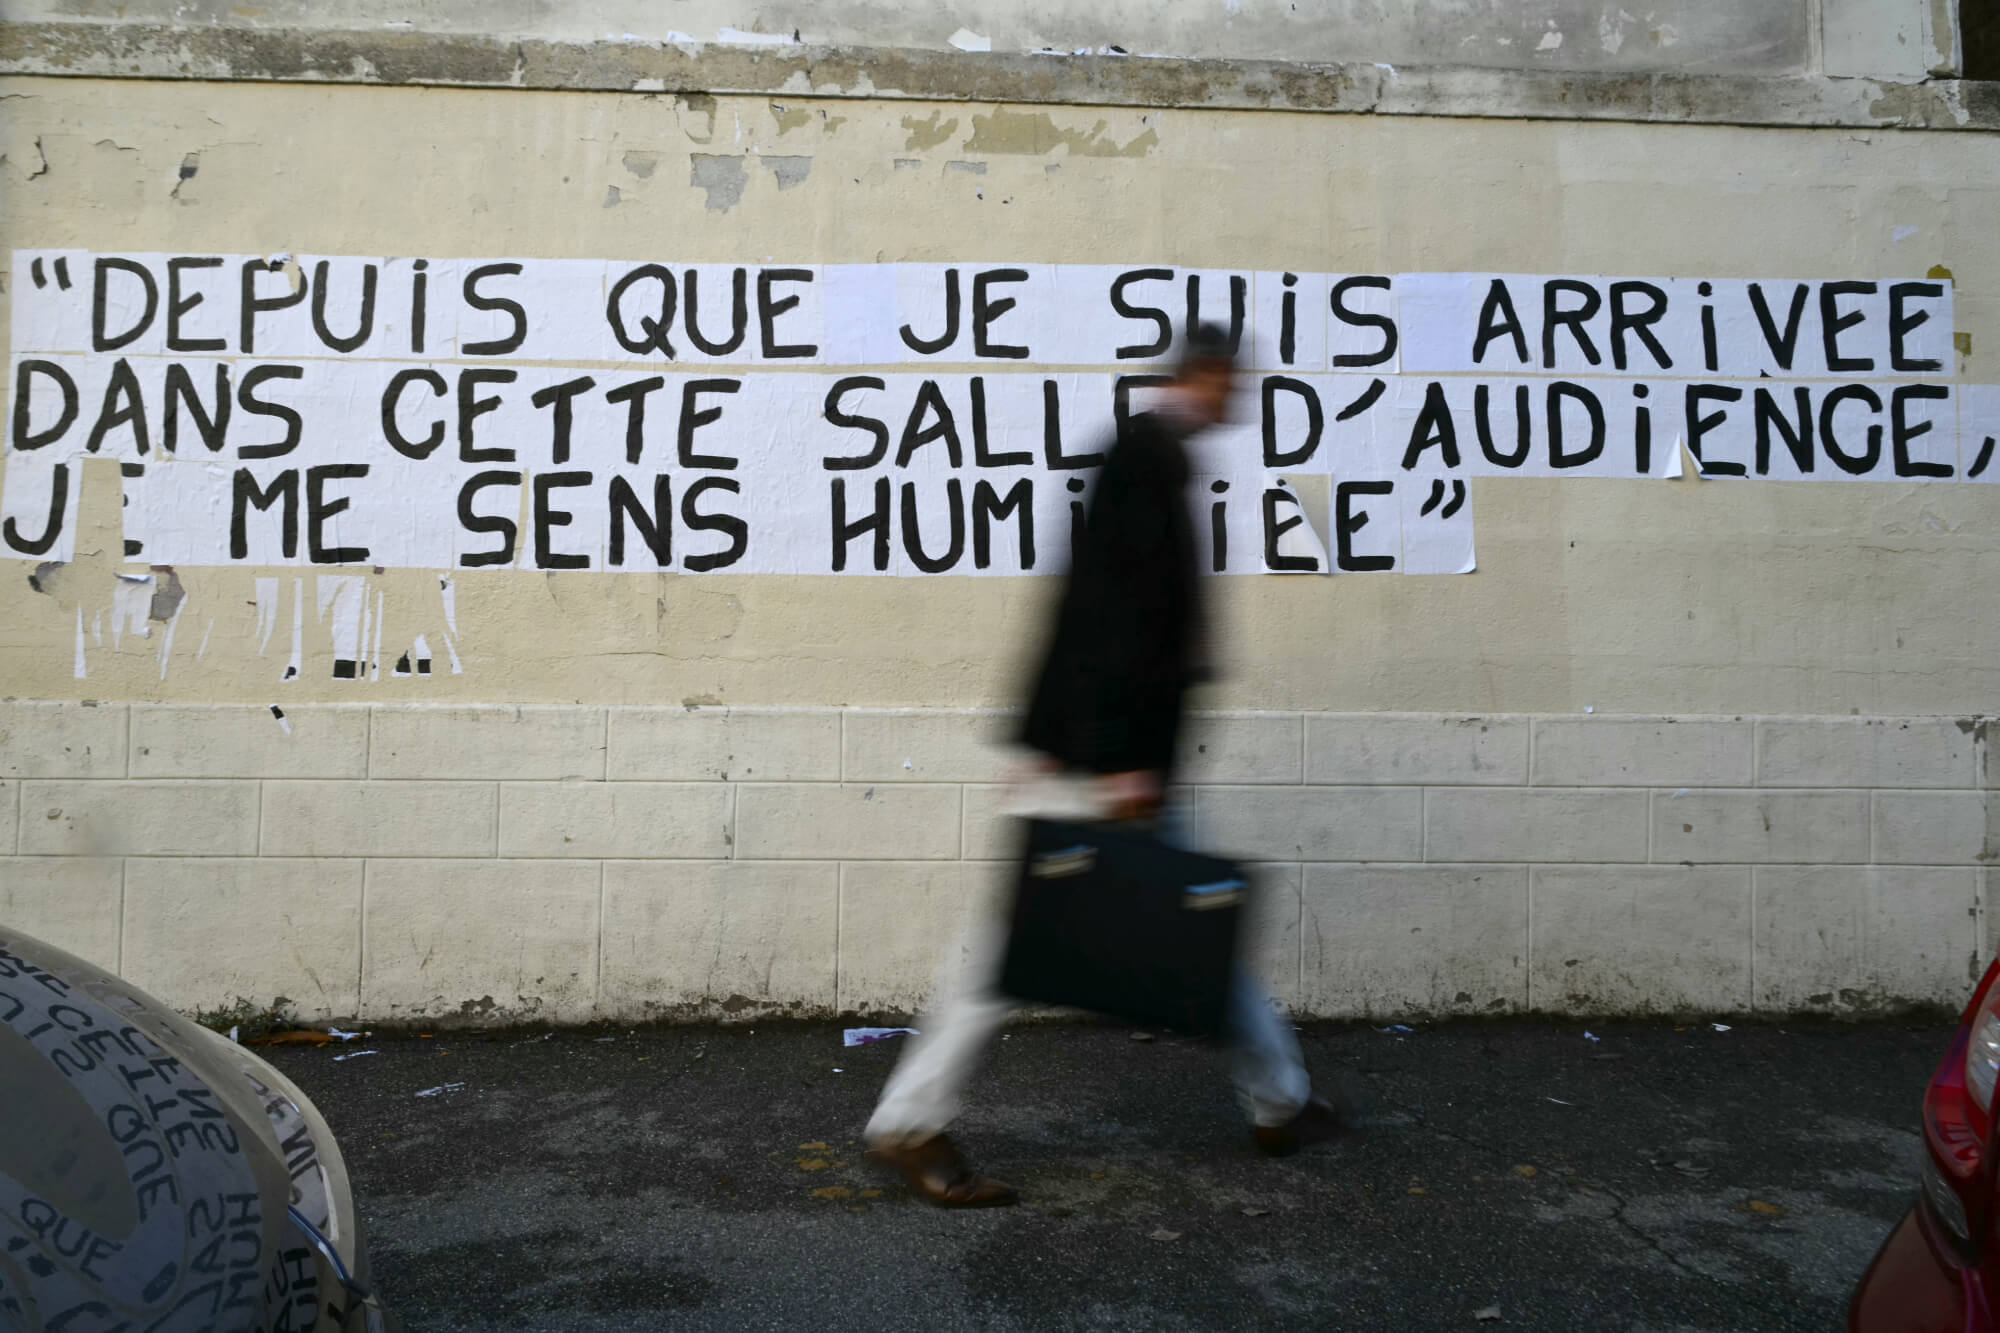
(569, 864)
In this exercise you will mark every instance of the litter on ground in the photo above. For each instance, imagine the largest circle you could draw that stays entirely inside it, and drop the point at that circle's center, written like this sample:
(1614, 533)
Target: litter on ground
(865, 1036)
(292, 1037)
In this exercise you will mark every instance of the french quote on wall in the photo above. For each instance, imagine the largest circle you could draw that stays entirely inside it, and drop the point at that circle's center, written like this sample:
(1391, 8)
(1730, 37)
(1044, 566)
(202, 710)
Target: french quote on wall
(913, 419)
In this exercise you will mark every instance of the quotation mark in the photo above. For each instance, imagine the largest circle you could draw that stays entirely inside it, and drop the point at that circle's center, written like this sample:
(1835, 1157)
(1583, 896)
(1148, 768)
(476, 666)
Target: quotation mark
(1437, 497)
(61, 267)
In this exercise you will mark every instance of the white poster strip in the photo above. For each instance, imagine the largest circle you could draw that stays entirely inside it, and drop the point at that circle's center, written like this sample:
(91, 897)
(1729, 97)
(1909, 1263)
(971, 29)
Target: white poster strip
(912, 419)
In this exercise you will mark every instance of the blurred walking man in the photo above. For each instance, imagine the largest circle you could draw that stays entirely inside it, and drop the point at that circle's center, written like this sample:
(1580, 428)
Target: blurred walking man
(1127, 644)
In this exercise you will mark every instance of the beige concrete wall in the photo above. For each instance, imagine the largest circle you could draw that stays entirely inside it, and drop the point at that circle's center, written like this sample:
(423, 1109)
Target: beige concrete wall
(562, 863)
(1635, 597)
(1827, 649)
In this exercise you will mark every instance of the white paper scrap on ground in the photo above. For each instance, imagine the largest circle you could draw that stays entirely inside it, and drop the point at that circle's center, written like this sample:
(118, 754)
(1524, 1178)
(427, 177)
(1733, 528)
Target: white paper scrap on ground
(866, 1036)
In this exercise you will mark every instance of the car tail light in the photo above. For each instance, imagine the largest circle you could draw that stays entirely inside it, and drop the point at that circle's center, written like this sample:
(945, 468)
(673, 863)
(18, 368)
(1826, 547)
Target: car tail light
(1958, 1165)
(1982, 1054)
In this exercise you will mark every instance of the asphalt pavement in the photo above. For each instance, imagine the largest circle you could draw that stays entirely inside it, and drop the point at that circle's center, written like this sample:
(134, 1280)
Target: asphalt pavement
(1656, 1178)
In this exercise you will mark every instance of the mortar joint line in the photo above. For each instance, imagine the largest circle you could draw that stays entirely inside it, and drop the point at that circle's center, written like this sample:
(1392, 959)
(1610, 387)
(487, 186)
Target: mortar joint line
(361, 944)
(1299, 951)
(1754, 872)
(124, 874)
(1528, 949)
(597, 982)
(128, 741)
(1873, 798)
(1979, 958)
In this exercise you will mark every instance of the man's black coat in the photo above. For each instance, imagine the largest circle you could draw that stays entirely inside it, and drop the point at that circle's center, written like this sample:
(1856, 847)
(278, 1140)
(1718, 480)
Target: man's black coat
(1127, 638)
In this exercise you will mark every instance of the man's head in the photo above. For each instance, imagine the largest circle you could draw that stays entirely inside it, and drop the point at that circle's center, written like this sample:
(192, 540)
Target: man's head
(1206, 374)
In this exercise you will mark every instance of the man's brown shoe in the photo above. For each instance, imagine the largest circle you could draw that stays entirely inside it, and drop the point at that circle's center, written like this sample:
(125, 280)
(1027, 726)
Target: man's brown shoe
(936, 1170)
(1317, 1121)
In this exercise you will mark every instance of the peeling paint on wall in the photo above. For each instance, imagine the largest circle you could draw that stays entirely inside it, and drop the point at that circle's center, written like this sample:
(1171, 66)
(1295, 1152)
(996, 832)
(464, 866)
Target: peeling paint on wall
(167, 595)
(700, 104)
(167, 640)
(928, 133)
(790, 118)
(790, 171)
(449, 593)
(131, 607)
(190, 165)
(267, 611)
(1036, 132)
(297, 662)
(340, 600)
(723, 176)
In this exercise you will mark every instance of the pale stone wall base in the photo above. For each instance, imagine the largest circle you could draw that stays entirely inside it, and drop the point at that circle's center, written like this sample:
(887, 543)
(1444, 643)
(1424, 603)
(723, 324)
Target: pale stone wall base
(575, 864)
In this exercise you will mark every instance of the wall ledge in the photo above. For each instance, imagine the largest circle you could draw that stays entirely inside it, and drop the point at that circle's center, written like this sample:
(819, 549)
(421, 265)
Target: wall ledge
(155, 51)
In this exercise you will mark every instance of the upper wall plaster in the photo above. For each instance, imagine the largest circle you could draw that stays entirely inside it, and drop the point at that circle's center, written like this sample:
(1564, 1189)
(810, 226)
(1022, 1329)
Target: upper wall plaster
(1691, 596)
(1769, 37)
(1780, 62)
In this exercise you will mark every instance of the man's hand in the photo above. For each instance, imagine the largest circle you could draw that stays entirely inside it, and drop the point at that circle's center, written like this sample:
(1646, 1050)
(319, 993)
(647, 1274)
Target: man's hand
(1134, 795)
(1030, 769)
